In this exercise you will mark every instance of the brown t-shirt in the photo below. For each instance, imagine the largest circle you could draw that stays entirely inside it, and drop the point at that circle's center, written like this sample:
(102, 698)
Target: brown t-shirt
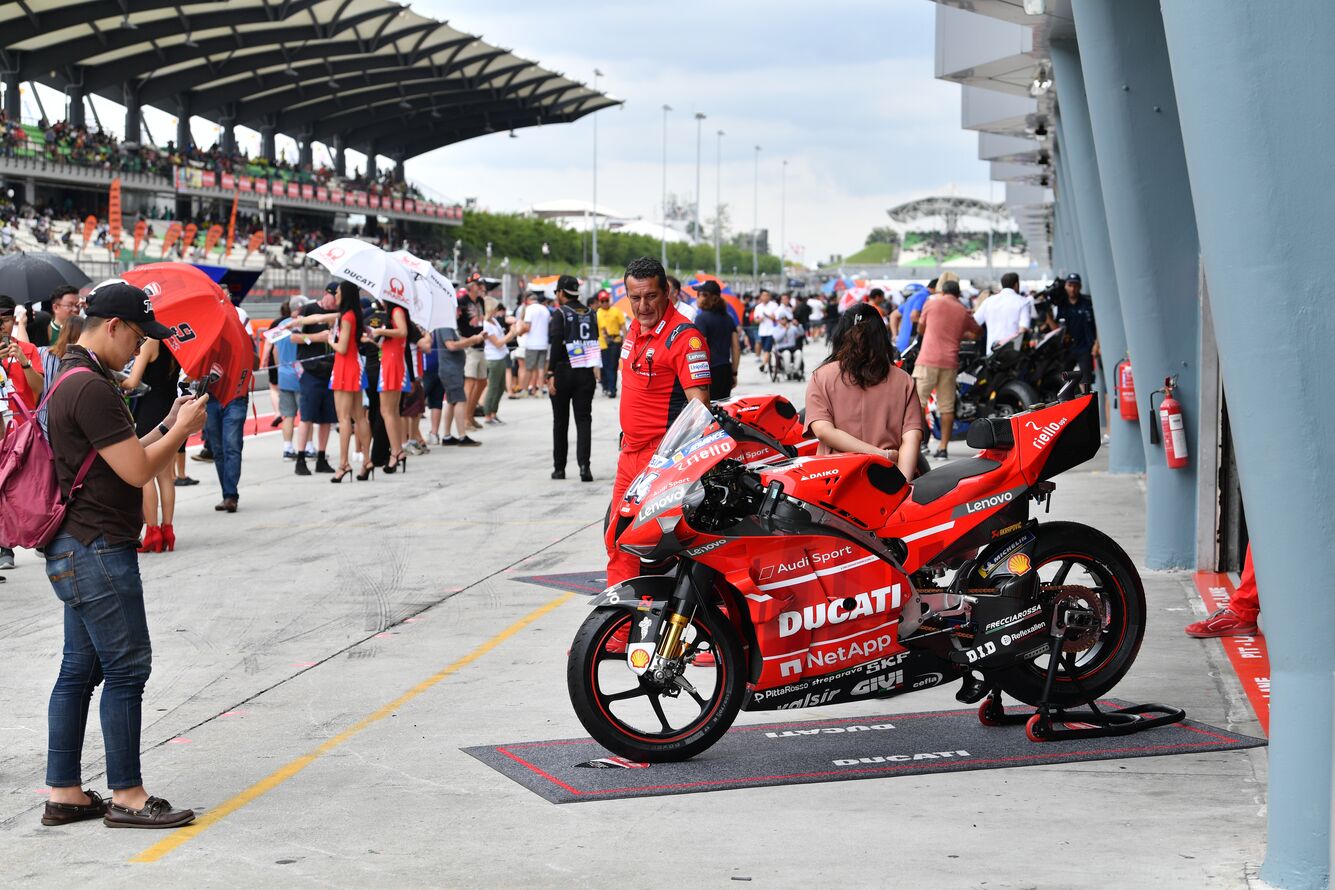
(944, 321)
(879, 415)
(88, 411)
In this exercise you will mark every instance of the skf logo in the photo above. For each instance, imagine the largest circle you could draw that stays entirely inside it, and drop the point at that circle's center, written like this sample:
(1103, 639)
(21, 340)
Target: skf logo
(396, 287)
(1018, 564)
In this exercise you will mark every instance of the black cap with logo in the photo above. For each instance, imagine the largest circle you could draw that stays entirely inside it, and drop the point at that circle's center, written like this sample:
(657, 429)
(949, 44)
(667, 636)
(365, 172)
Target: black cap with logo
(568, 285)
(116, 298)
(1073, 277)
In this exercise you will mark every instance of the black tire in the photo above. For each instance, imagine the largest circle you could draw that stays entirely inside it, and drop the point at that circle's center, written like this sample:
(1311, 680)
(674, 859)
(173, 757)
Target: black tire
(1014, 397)
(1106, 661)
(593, 706)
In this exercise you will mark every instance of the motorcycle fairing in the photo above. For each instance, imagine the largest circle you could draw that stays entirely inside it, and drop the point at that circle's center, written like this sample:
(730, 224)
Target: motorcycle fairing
(905, 671)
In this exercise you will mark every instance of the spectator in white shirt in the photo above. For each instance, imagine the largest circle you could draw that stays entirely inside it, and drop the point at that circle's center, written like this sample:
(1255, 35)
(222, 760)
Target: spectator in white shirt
(674, 297)
(1006, 314)
(764, 315)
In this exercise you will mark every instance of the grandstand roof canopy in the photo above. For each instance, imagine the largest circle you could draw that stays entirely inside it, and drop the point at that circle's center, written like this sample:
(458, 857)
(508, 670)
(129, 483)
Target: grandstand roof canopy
(368, 72)
(950, 208)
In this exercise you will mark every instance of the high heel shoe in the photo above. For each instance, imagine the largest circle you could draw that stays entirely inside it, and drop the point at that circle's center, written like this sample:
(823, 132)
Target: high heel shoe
(168, 537)
(342, 471)
(152, 540)
(367, 472)
(400, 463)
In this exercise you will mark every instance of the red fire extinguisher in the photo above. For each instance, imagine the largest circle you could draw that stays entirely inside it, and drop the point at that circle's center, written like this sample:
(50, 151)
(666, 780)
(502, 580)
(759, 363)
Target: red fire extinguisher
(1171, 424)
(1126, 391)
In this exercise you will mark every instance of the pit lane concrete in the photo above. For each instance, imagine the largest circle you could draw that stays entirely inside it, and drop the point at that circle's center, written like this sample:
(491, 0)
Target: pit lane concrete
(284, 627)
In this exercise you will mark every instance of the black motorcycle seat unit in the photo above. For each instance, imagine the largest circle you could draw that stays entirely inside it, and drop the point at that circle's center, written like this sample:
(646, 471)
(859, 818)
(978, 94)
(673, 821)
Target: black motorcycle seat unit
(991, 432)
(942, 480)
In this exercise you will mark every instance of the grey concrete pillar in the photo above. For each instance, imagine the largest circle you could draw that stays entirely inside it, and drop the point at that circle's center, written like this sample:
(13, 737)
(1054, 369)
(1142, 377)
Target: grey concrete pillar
(13, 99)
(399, 175)
(228, 135)
(306, 149)
(1075, 254)
(76, 96)
(1126, 453)
(269, 142)
(183, 138)
(1152, 231)
(133, 118)
(1266, 207)
(370, 162)
(340, 157)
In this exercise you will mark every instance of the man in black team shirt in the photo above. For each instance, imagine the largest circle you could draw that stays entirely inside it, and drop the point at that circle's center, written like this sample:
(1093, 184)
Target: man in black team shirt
(316, 401)
(472, 312)
(571, 378)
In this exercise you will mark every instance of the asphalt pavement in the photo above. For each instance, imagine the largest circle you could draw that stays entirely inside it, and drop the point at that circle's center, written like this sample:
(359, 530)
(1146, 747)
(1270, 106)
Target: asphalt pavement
(321, 657)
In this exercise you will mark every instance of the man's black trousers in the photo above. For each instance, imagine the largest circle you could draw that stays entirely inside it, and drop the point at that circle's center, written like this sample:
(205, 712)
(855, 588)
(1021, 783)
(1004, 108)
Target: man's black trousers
(574, 388)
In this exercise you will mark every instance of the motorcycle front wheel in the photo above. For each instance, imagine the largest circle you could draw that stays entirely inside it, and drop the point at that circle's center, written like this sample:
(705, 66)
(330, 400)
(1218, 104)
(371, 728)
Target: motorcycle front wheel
(644, 721)
(1082, 567)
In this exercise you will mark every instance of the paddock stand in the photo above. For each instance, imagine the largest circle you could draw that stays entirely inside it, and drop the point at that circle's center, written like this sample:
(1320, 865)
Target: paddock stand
(1049, 724)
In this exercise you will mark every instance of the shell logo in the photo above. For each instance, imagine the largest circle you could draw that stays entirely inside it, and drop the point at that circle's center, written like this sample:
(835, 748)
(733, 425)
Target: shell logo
(1018, 564)
(639, 659)
(695, 343)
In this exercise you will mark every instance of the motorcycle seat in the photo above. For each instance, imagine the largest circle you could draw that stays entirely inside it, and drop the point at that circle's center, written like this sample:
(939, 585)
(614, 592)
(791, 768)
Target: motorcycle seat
(942, 480)
(991, 432)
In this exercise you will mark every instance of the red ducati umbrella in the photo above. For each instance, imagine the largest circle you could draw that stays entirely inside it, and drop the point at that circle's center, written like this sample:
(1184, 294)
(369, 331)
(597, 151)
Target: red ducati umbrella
(208, 339)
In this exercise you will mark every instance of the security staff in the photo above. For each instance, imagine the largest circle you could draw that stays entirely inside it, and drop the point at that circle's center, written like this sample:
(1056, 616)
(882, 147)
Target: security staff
(571, 379)
(1076, 312)
(664, 364)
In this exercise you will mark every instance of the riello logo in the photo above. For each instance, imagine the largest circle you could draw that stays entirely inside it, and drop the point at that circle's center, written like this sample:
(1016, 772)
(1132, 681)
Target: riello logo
(1045, 433)
(821, 614)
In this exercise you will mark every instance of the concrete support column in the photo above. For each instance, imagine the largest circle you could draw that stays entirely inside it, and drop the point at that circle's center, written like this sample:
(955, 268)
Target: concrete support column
(370, 162)
(13, 99)
(269, 142)
(1152, 231)
(306, 149)
(133, 119)
(228, 135)
(1075, 254)
(340, 157)
(1266, 207)
(399, 175)
(1126, 453)
(183, 138)
(76, 95)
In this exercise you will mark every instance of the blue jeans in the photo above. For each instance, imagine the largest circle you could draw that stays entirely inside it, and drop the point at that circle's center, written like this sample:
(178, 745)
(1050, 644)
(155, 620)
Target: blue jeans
(611, 356)
(225, 430)
(106, 639)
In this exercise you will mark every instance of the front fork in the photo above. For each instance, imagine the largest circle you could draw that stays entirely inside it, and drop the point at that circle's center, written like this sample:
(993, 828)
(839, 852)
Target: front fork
(688, 597)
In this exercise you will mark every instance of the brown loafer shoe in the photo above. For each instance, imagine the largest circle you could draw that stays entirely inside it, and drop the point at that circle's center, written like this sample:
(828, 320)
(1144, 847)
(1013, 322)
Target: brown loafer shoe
(65, 813)
(227, 504)
(155, 813)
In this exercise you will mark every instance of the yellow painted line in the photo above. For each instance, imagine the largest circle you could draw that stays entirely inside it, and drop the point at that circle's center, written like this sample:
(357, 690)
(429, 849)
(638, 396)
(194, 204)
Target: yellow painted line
(281, 775)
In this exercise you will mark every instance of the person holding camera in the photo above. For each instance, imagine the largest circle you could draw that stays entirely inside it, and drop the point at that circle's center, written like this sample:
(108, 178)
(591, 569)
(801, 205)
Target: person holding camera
(93, 565)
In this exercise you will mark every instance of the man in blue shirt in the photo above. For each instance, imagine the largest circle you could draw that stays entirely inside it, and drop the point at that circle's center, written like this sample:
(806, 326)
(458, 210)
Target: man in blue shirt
(904, 319)
(1076, 313)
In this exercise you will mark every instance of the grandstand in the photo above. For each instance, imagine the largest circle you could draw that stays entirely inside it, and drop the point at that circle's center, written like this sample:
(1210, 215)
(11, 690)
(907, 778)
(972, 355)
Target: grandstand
(364, 75)
(957, 246)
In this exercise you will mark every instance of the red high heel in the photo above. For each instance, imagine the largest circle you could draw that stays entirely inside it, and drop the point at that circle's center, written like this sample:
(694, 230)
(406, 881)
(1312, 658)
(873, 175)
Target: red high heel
(152, 540)
(168, 538)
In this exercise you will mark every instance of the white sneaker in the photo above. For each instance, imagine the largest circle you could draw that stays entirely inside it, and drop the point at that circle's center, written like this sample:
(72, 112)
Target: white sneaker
(433, 439)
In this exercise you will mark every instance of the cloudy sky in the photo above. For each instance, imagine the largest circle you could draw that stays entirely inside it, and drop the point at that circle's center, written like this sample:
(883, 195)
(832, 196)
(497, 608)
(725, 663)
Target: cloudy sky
(842, 89)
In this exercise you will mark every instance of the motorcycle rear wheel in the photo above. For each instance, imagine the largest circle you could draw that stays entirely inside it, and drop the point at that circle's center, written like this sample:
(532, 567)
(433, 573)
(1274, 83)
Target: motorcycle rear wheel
(1100, 666)
(594, 660)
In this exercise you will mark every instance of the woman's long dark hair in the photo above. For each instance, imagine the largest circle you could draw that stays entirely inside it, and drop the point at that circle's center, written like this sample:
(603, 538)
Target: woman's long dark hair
(861, 346)
(350, 300)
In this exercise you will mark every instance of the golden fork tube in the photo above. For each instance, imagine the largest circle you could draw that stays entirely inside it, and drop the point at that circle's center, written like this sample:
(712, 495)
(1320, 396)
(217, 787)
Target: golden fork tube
(670, 646)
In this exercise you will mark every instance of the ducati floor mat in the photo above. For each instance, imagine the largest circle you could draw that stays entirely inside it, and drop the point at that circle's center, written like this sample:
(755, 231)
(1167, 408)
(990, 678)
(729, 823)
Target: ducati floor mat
(590, 582)
(573, 770)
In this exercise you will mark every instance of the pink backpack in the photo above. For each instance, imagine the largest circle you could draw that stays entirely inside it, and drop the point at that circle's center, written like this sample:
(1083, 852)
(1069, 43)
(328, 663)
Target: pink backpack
(31, 508)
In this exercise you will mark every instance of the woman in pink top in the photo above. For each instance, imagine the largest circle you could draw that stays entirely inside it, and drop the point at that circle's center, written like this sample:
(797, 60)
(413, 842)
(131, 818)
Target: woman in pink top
(858, 401)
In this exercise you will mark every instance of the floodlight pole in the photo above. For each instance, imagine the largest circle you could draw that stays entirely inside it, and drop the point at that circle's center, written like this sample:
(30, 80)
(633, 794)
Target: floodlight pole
(699, 124)
(783, 219)
(755, 224)
(596, 74)
(718, 207)
(663, 239)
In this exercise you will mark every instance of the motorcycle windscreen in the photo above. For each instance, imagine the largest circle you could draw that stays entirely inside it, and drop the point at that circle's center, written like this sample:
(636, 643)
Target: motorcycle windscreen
(840, 608)
(693, 444)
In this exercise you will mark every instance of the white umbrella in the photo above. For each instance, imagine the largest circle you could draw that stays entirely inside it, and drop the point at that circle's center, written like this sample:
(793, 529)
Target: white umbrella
(377, 273)
(440, 290)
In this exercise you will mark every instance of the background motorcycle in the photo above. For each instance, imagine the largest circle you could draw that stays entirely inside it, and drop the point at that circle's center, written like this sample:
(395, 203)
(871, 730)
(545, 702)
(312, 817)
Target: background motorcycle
(821, 580)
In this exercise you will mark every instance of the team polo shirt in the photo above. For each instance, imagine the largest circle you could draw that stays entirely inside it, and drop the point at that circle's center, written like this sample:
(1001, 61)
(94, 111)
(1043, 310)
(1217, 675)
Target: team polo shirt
(657, 367)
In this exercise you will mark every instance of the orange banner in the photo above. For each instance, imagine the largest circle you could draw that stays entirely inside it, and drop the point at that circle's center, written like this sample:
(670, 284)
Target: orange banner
(89, 226)
(231, 227)
(256, 240)
(140, 230)
(114, 210)
(191, 232)
(211, 239)
(172, 236)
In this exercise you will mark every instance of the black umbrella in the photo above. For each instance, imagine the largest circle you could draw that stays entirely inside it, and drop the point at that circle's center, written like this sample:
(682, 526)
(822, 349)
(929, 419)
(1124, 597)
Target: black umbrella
(30, 277)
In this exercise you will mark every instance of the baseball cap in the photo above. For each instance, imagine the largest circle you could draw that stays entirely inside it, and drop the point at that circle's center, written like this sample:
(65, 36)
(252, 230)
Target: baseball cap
(568, 284)
(117, 298)
(331, 287)
(7, 305)
(476, 276)
(604, 294)
(1073, 277)
(708, 287)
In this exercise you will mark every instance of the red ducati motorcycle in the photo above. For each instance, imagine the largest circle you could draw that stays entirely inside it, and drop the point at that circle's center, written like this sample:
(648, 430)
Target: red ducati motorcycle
(801, 581)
